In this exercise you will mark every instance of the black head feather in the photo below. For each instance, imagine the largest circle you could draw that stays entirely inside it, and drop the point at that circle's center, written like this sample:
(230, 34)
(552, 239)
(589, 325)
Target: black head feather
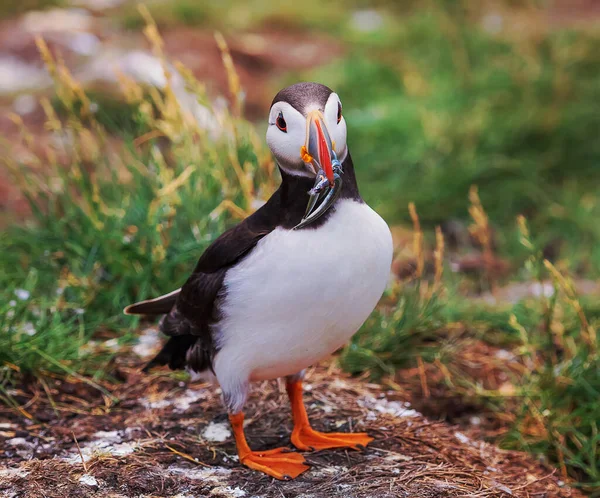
(302, 95)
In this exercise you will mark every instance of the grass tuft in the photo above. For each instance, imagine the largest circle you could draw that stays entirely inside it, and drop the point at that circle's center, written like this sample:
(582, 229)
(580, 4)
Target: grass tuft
(117, 221)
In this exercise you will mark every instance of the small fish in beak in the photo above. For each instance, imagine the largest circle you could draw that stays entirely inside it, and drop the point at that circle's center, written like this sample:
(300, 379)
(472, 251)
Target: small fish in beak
(318, 152)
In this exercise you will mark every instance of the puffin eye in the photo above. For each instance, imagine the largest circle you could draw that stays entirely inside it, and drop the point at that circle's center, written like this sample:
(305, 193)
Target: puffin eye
(280, 122)
(339, 114)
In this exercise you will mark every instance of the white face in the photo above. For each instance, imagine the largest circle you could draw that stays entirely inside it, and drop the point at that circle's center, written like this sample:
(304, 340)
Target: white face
(286, 141)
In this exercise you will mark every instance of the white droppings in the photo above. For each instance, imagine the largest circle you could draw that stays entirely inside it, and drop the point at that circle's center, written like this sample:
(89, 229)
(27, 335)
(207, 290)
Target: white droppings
(217, 432)
(108, 436)
(190, 396)
(13, 473)
(462, 438)
(18, 441)
(329, 471)
(22, 294)
(88, 480)
(397, 457)
(100, 447)
(25, 448)
(28, 329)
(339, 384)
(503, 354)
(502, 488)
(180, 403)
(228, 491)
(112, 344)
(384, 406)
(155, 404)
(148, 342)
(214, 475)
(122, 449)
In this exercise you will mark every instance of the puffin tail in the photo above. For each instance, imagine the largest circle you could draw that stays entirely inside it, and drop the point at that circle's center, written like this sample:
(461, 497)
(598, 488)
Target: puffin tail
(173, 353)
(185, 347)
(157, 306)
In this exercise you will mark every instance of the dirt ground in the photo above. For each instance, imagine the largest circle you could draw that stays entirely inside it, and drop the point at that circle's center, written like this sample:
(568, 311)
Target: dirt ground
(157, 435)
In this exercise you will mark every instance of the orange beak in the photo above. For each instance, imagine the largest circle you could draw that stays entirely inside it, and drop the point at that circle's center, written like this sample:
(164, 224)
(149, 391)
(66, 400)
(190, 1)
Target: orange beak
(319, 145)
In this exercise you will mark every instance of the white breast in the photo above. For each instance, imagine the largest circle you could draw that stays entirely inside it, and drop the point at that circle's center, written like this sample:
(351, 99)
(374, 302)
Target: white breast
(300, 295)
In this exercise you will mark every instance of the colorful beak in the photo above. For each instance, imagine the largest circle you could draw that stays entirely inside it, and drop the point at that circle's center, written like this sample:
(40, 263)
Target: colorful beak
(318, 152)
(319, 145)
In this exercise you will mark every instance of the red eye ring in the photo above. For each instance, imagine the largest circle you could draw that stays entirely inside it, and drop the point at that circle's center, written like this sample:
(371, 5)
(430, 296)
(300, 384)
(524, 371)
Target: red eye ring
(339, 114)
(280, 122)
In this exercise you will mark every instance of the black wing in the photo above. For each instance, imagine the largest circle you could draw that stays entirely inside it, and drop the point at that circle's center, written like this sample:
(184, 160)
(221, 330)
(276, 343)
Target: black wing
(189, 320)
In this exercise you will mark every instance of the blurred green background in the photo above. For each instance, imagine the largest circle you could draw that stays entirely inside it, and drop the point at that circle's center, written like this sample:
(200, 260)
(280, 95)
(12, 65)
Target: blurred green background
(114, 178)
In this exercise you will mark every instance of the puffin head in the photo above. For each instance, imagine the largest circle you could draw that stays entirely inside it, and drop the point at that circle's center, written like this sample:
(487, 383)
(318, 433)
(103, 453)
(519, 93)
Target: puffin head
(307, 130)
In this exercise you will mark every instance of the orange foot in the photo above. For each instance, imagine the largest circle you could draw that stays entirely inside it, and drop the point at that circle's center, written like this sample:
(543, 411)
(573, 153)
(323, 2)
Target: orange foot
(305, 438)
(280, 463)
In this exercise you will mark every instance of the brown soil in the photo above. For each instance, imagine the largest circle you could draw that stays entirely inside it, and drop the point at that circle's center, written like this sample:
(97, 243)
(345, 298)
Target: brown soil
(167, 437)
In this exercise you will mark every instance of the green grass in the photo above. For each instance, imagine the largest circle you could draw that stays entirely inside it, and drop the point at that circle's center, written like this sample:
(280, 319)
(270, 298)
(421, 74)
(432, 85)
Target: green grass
(433, 110)
(108, 229)
(550, 402)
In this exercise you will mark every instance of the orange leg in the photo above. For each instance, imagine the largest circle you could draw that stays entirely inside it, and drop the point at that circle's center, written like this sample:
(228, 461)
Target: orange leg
(279, 463)
(304, 437)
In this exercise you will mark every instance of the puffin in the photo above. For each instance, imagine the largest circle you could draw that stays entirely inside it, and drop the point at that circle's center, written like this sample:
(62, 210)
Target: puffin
(288, 285)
